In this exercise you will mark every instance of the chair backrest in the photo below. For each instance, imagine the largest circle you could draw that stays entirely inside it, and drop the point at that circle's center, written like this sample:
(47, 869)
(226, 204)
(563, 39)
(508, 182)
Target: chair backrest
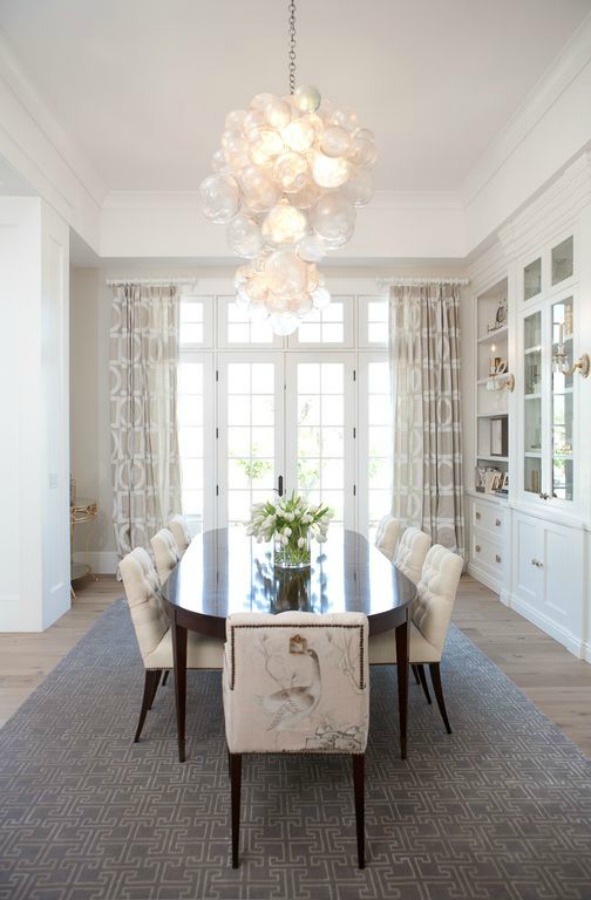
(296, 682)
(142, 590)
(387, 536)
(436, 594)
(166, 553)
(411, 552)
(180, 530)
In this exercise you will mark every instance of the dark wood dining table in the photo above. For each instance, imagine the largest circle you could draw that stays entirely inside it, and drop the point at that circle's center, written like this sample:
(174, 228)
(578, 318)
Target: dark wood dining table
(224, 571)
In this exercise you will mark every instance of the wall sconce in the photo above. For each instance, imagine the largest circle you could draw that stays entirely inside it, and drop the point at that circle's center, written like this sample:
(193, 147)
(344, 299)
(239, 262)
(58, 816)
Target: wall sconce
(499, 379)
(560, 361)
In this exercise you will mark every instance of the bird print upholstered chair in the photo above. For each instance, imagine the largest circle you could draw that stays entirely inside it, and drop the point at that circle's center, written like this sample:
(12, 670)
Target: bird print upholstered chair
(166, 553)
(152, 629)
(430, 618)
(296, 683)
(180, 530)
(411, 552)
(387, 536)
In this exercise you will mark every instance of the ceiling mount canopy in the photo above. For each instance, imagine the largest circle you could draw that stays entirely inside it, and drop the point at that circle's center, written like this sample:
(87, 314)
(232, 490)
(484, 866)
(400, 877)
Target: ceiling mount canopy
(287, 179)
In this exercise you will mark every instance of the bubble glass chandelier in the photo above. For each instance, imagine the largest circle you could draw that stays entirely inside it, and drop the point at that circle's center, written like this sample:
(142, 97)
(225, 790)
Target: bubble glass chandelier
(287, 179)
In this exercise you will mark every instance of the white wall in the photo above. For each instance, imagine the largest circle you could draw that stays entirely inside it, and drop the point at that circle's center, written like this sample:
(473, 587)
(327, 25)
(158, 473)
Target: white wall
(34, 454)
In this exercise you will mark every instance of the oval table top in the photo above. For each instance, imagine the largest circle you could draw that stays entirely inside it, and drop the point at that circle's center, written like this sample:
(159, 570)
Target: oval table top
(224, 571)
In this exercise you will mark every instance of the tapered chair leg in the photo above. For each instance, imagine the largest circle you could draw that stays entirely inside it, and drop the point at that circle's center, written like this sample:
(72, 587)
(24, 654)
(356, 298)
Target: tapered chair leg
(165, 679)
(359, 789)
(436, 679)
(151, 680)
(415, 672)
(423, 678)
(235, 786)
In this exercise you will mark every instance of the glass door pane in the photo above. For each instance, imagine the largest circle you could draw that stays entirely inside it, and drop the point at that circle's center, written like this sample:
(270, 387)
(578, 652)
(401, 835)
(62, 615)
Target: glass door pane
(250, 442)
(532, 412)
(562, 400)
(319, 419)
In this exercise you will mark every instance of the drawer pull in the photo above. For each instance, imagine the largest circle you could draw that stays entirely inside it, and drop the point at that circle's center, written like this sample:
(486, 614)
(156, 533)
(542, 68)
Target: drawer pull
(537, 563)
(477, 515)
(498, 522)
(497, 558)
(477, 548)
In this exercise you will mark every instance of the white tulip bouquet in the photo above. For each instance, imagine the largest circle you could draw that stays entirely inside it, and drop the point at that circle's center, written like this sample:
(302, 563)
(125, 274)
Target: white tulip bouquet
(290, 522)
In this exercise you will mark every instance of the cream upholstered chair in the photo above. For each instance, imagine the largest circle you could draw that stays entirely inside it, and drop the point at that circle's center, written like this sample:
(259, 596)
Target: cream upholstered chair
(166, 553)
(387, 536)
(152, 629)
(296, 683)
(180, 531)
(430, 618)
(411, 552)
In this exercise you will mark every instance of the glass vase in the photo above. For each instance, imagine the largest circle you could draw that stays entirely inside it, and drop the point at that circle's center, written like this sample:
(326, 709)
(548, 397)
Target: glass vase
(292, 555)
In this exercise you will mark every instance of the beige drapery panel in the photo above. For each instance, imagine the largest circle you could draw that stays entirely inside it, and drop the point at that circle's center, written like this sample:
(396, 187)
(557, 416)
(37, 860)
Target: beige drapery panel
(425, 373)
(143, 372)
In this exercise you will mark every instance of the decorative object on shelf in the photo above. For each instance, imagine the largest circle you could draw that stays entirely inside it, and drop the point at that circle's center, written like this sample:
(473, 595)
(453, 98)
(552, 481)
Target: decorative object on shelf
(501, 316)
(560, 361)
(288, 176)
(290, 522)
(498, 436)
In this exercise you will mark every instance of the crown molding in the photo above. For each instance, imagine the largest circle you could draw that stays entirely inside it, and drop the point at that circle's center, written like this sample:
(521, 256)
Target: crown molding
(574, 57)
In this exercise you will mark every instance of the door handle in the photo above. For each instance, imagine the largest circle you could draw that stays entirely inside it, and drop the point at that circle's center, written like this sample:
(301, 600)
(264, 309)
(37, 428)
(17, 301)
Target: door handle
(280, 485)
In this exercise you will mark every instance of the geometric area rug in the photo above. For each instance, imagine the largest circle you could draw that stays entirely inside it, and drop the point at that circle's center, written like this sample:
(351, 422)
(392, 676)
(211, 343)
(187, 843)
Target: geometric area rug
(499, 809)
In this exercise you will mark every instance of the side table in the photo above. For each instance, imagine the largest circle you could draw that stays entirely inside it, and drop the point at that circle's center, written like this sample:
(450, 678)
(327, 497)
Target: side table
(81, 510)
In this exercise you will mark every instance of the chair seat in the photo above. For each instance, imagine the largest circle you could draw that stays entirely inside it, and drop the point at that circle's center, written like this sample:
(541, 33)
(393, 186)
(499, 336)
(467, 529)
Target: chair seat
(203, 652)
(382, 648)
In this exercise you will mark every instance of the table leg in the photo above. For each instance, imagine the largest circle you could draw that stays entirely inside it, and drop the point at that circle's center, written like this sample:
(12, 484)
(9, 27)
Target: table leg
(402, 633)
(179, 655)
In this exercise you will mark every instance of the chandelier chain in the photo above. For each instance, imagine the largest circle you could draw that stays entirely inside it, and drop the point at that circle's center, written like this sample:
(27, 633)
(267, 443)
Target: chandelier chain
(292, 46)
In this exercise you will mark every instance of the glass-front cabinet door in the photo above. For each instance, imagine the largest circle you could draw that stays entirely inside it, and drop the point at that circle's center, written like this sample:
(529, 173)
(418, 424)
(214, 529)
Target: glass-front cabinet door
(549, 385)
(532, 403)
(561, 422)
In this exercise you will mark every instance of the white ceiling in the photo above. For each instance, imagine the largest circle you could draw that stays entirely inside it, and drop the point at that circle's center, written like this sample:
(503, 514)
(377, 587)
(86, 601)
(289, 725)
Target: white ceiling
(142, 87)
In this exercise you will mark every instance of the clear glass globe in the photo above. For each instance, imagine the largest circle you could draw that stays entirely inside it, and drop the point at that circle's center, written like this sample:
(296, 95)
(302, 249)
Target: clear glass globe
(330, 172)
(244, 236)
(335, 141)
(333, 218)
(284, 225)
(285, 272)
(290, 171)
(220, 199)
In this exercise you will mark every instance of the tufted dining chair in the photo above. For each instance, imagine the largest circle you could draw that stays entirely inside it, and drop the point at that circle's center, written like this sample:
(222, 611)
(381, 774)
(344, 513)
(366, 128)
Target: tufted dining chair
(411, 552)
(296, 683)
(430, 618)
(166, 553)
(180, 531)
(152, 629)
(387, 536)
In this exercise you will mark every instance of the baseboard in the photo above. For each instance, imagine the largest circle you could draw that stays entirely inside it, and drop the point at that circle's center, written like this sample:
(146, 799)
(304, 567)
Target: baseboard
(101, 562)
(484, 578)
(573, 644)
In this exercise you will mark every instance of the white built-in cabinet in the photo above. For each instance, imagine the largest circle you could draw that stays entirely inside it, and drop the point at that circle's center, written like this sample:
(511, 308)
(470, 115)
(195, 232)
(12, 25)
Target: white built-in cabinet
(531, 429)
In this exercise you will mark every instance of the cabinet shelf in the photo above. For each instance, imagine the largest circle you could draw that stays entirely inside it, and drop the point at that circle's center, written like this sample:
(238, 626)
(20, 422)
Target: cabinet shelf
(497, 333)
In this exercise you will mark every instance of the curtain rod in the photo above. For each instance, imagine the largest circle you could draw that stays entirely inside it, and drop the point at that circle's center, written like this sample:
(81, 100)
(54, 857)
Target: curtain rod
(417, 282)
(122, 282)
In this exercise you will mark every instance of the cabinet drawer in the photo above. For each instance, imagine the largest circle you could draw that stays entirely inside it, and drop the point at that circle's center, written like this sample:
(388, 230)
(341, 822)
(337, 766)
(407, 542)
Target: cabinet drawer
(487, 553)
(488, 518)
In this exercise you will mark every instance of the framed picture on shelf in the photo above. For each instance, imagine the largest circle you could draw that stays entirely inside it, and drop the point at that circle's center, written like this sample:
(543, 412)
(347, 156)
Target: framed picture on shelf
(505, 484)
(498, 436)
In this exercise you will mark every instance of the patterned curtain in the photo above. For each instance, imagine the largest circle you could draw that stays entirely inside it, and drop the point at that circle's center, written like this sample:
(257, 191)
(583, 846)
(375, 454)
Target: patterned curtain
(425, 373)
(143, 371)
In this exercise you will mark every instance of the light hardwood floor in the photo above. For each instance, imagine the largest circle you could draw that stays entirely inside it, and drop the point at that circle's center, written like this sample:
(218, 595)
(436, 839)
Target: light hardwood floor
(549, 675)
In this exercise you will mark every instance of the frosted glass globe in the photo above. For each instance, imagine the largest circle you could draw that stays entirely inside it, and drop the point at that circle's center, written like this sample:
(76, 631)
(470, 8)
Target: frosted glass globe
(264, 145)
(333, 218)
(359, 188)
(277, 112)
(290, 171)
(284, 323)
(320, 298)
(219, 198)
(307, 98)
(330, 172)
(244, 236)
(311, 248)
(299, 135)
(335, 141)
(363, 150)
(284, 225)
(285, 272)
(235, 120)
(260, 193)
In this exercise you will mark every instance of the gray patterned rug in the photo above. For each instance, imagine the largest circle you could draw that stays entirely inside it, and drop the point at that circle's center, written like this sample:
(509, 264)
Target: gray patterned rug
(499, 809)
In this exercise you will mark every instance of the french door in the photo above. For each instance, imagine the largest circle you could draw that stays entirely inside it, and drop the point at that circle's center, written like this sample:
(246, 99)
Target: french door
(286, 421)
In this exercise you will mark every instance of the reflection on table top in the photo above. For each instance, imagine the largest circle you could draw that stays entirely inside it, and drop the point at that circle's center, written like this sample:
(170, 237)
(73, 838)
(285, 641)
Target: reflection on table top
(224, 571)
